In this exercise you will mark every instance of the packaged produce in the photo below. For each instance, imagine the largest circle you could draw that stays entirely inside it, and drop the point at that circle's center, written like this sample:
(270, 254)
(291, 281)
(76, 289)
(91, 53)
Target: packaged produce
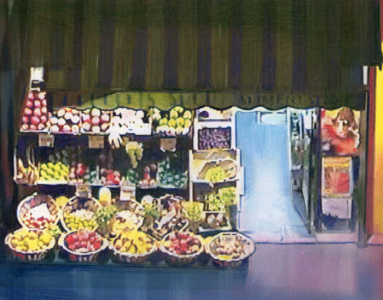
(209, 138)
(36, 115)
(38, 212)
(169, 175)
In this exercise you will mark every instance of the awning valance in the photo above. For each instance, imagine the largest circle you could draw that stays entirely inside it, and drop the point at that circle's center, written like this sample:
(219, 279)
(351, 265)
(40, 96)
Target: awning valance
(298, 48)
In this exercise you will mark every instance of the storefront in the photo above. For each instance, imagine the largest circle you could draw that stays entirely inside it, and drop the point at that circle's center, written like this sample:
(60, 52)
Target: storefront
(151, 140)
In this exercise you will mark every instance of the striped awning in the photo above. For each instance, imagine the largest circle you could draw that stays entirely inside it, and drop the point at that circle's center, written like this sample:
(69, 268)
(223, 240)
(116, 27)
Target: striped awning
(229, 52)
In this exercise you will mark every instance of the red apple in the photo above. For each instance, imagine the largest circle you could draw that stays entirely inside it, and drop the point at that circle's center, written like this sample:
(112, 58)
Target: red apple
(28, 111)
(61, 122)
(96, 121)
(86, 118)
(44, 102)
(25, 127)
(66, 128)
(86, 126)
(147, 176)
(68, 116)
(37, 103)
(54, 120)
(37, 112)
(41, 96)
(75, 119)
(95, 112)
(43, 119)
(29, 104)
(35, 120)
(25, 119)
(105, 118)
(80, 172)
(55, 128)
(33, 127)
(61, 113)
(41, 126)
(31, 96)
(44, 110)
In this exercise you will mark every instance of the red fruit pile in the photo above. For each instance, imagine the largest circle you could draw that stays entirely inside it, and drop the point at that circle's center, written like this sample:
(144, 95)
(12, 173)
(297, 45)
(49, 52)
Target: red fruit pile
(95, 121)
(110, 177)
(83, 241)
(182, 243)
(79, 172)
(35, 115)
(66, 120)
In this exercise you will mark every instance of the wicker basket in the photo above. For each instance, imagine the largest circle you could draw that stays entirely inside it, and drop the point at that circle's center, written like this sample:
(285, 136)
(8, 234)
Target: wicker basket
(230, 263)
(172, 259)
(128, 258)
(29, 201)
(25, 255)
(81, 257)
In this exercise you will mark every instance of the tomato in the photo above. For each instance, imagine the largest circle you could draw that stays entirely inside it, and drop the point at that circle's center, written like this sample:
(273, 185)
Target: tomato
(96, 245)
(70, 239)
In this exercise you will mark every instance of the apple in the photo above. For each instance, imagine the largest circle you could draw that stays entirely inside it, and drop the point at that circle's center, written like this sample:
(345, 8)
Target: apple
(25, 127)
(40, 126)
(61, 113)
(29, 104)
(86, 126)
(44, 110)
(96, 121)
(37, 112)
(37, 104)
(75, 119)
(54, 120)
(55, 128)
(86, 118)
(28, 111)
(105, 118)
(25, 119)
(66, 128)
(41, 96)
(44, 102)
(35, 120)
(31, 96)
(95, 112)
(61, 122)
(33, 127)
(147, 176)
(104, 127)
(43, 119)
(68, 116)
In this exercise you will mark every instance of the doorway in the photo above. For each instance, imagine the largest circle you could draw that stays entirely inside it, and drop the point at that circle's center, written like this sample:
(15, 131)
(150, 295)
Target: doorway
(267, 206)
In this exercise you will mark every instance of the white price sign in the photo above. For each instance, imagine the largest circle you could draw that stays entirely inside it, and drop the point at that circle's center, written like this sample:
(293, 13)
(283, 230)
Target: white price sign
(96, 142)
(46, 140)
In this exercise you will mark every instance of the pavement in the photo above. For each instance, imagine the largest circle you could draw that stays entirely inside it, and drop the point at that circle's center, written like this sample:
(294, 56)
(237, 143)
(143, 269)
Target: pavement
(275, 271)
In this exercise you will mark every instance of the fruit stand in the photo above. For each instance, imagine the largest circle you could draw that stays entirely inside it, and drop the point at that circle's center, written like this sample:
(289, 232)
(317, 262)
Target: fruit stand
(127, 186)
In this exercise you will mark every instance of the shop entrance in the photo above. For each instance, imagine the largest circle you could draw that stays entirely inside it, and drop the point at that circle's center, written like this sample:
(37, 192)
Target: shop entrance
(270, 208)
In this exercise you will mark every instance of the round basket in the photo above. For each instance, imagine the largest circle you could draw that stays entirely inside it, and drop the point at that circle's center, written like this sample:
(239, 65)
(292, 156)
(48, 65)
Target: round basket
(128, 258)
(81, 257)
(222, 263)
(30, 202)
(80, 206)
(26, 255)
(172, 259)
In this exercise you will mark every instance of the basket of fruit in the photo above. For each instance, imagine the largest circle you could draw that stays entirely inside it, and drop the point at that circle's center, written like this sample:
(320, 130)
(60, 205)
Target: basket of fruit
(230, 249)
(38, 212)
(83, 245)
(29, 245)
(126, 220)
(80, 213)
(134, 247)
(181, 248)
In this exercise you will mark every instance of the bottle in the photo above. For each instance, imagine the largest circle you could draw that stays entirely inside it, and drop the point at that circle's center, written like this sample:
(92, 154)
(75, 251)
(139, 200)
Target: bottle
(105, 196)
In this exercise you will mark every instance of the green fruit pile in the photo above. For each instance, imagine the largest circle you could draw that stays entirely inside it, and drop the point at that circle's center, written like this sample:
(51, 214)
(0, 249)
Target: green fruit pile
(133, 176)
(167, 176)
(54, 171)
(74, 223)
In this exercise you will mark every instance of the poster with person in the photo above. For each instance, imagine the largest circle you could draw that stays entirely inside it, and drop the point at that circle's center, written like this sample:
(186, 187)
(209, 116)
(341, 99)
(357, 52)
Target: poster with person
(340, 131)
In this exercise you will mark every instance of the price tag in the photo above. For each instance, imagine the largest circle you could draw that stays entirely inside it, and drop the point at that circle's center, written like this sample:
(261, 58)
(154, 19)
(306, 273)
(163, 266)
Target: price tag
(168, 144)
(96, 142)
(46, 140)
(84, 191)
(127, 193)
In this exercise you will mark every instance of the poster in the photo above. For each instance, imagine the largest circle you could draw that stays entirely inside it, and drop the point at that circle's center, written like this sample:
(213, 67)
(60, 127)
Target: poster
(340, 131)
(336, 176)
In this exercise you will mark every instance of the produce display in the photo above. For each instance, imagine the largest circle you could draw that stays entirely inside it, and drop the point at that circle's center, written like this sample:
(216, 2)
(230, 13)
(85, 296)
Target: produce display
(54, 172)
(66, 120)
(215, 221)
(125, 221)
(38, 212)
(30, 241)
(216, 172)
(135, 152)
(36, 115)
(177, 121)
(182, 243)
(83, 241)
(224, 197)
(125, 121)
(209, 138)
(136, 242)
(95, 121)
(172, 176)
(109, 175)
(80, 213)
(231, 246)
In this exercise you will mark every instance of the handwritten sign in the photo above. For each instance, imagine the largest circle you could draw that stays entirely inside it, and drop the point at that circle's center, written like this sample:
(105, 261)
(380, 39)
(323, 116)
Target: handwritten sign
(168, 144)
(46, 140)
(84, 191)
(96, 142)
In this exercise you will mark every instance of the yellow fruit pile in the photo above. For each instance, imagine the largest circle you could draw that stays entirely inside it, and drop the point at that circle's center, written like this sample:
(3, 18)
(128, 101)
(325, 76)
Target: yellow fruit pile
(30, 241)
(135, 242)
